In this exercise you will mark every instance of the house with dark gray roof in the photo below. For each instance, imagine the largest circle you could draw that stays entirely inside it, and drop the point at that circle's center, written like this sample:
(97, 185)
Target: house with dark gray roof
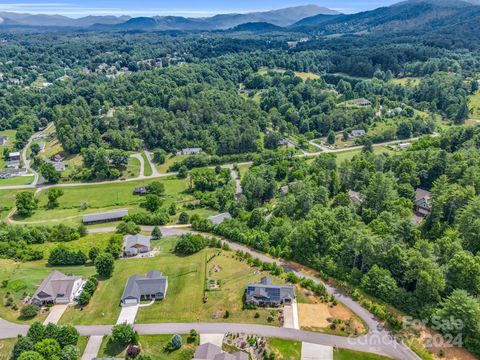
(105, 217)
(268, 294)
(10, 173)
(151, 287)
(357, 133)
(209, 351)
(220, 218)
(57, 288)
(136, 244)
(423, 202)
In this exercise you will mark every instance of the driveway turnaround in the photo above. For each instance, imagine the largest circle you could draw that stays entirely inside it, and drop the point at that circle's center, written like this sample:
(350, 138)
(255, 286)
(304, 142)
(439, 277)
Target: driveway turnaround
(215, 339)
(92, 348)
(55, 313)
(127, 315)
(316, 352)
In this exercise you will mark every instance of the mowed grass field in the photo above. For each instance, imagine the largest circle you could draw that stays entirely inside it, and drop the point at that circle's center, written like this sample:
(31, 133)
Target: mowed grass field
(24, 278)
(133, 168)
(87, 199)
(285, 349)
(151, 345)
(7, 202)
(475, 106)
(6, 347)
(407, 81)
(16, 181)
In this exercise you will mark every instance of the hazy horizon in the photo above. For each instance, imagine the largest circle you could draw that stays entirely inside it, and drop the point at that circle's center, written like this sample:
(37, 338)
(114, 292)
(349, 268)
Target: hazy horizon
(188, 8)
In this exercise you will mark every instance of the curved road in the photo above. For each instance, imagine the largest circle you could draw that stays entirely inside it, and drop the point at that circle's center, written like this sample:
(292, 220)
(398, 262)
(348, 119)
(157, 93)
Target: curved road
(378, 340)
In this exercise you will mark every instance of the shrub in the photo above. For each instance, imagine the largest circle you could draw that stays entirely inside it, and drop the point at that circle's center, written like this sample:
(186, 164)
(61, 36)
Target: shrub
(123, 334)
(105, 263)
(133, 351)
(189, 244)
(63, 256)
(175, 342)
(128, 227)
(183, 218)
(29, 311)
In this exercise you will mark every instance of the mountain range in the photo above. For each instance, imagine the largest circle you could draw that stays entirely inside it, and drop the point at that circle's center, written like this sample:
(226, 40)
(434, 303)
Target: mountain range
(282, 17)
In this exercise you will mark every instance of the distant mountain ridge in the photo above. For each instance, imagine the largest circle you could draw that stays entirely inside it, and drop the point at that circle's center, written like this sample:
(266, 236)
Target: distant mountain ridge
(281, 17)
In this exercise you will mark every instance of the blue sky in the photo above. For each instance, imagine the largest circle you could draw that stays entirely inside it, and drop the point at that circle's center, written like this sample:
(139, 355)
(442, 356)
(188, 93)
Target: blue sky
(195, 8)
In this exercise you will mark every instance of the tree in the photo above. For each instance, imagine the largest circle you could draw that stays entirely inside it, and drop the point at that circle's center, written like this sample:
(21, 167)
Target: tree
(331, 137)
(463, 272)
(128, 227)
(156, 233)
(183, 218)
(189, 244)
(156, 188)
(67, 335)
(36, 332)
(53, 195)
(105, 264)
(48, 348)
(182, 172)
(152, 202)
(69, 352)
(175, 342)
(380, 283)
(462, 114)
(23, 344)
(123, 334)
(93, 253)
(26, 203)
(159, 157)
(172, 209)
(31, 355)
(35, 149)
(49, 173)
(256, 219)
(29, 311)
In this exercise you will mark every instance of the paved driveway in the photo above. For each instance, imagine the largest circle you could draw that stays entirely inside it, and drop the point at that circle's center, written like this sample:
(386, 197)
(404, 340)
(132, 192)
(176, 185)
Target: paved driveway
(127, 315)
(316, 352)
(92, 348)
(55, 313)
(290, 314)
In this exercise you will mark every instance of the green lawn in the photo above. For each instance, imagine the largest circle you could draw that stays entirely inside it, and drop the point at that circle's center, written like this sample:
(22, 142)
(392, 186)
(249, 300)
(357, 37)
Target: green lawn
(84, 244)
(133, 168)
(475, 106)
(104, 197)
(151, 345)
(169, 161)
(19, 180)
(7, 201)
(344, 354)
(285, 349)
(82, 344)
(148, 169)
(23, 278)
(183, 302)
(407, 81)
(6, 347)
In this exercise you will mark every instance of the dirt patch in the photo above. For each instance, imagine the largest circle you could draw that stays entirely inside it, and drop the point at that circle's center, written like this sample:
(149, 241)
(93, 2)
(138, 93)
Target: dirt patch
(313, 315)
(340, 312)
(430, 338)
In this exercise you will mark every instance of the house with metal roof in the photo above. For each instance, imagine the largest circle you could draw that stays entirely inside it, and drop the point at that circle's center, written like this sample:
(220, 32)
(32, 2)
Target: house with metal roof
(151, 287)
(357, 133)
(190, 151)
(268, 294)
(11, 173)
(14, 156)
(105, 217)
(57, 288)
(362, 102)
(209, 351)
(220, 218)
(136, 244)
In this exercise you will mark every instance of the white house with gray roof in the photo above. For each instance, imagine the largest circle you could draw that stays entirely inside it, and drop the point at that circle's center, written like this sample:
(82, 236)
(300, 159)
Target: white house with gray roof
(136, 244)
(57, 288)
(151, 287)
(190, 151)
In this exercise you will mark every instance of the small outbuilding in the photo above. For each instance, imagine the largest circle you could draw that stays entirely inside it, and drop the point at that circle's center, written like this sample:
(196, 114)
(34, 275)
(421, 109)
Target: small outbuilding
(104, 217)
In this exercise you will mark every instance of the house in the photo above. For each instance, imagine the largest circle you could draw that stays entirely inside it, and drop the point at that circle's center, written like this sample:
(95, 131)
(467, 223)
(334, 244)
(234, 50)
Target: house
(423, 202)
(190, 151)
(59, 166)
(356, 197)
(136, 244)
(58, 158)
(404, 145)
(3, 139)
(357, 133)
(14, 156)
(209, 351)
(57, 288)
(286, 143)
(142, 190)
(105, 217)
(361, 102)
(152, 287)
(15, 164)
(268, 294)
(11, 173)
(220, 218)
